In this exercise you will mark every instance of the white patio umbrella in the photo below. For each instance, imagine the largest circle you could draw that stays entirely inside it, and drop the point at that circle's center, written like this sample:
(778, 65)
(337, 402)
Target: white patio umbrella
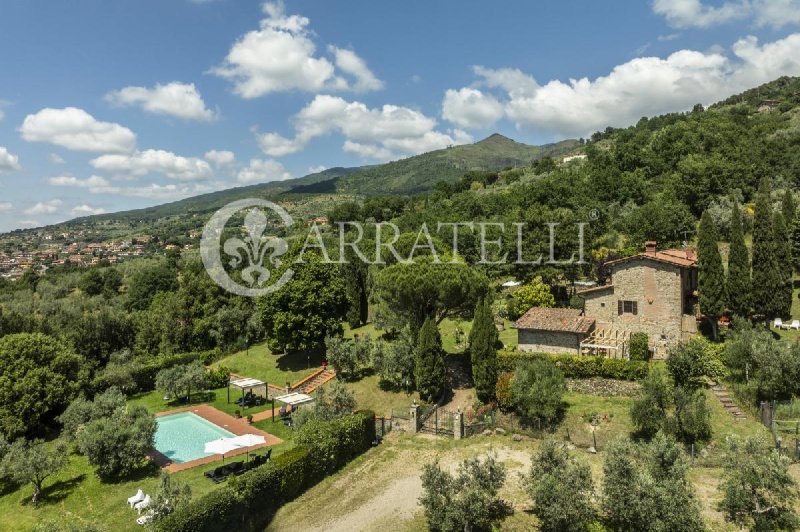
(221, 446)
(248, 440)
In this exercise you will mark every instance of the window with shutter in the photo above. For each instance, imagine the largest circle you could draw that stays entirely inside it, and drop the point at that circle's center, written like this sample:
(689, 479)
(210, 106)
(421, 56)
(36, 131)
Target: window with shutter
(619, 307)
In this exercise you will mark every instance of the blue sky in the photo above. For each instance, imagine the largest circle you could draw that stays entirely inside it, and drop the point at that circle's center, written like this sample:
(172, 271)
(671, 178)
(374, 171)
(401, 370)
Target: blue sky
(109, 105)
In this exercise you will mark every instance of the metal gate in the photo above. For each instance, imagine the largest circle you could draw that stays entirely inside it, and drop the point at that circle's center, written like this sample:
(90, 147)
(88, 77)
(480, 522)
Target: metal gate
(439, 422)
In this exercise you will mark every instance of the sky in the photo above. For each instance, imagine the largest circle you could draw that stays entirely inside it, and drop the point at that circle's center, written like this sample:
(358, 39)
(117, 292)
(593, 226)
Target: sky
(109, 105)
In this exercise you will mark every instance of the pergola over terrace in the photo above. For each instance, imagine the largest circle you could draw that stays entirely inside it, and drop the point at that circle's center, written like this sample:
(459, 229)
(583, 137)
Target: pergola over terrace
(246, 384)
(295, 399)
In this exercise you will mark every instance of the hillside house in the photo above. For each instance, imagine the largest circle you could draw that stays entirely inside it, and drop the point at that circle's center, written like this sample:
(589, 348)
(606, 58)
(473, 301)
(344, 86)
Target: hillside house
(767, 106)
(654, 292)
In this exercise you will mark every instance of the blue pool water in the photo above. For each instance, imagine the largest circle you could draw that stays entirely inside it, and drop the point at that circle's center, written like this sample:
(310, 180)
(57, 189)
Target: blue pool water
(182, 437)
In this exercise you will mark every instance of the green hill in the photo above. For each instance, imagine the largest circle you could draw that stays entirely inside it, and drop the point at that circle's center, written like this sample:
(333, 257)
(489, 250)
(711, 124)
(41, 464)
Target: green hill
(422, 172)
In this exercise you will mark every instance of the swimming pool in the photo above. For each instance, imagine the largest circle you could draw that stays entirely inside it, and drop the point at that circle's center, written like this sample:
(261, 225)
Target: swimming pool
(182, 437)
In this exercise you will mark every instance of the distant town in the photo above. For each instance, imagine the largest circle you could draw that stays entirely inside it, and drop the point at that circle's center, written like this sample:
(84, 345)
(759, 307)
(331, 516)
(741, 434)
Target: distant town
(44, 249)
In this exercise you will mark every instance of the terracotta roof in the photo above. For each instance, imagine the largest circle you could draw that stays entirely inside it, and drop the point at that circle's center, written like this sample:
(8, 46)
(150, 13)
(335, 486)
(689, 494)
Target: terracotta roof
(594, 289)
(679, 257)
(555, 319)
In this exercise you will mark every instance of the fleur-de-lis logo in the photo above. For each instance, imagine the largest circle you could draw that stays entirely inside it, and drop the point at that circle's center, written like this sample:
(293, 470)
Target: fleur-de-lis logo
(255, 246)
(256, 251)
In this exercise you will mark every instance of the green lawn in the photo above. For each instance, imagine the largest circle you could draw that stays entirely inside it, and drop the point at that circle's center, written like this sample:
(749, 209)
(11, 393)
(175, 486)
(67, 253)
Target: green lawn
(77, 495)
(370, 396)
(259, 362)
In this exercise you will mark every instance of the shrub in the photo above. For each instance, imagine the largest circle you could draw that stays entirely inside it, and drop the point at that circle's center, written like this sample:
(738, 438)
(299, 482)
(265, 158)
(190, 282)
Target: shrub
(536, 390)
(579, 366)
(143, 374)
(536, 293)
(218, 377)
(640, 346)
(249, 503)
(503, 391)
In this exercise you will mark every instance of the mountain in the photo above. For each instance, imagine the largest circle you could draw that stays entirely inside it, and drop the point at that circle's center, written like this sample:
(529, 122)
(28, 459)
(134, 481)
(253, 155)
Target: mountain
(416, 174)
(422, 172)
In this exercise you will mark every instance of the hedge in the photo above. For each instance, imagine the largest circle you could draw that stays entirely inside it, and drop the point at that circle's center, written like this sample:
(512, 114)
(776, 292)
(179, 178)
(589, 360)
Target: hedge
(579, 366)
(250, 502)
(144, 374)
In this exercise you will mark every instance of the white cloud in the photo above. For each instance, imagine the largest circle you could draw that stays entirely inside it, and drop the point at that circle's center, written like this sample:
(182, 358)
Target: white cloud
(75, 129)
(262, 170)
(644, 86)
(8, 161)
(471, 108)
(93, 183)
(695, 14)
(378, 133)
(277, 145)
(45, 207)
(146, 162)
(777, 13)
(281, 56)
(56, 159)
(86, 210)
(100, 185)
(181, 100)
(6, 207)
(350, 63)
(317, 169)
(220, 158)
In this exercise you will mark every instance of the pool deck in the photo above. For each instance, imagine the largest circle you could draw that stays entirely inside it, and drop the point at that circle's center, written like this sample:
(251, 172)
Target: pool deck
(221, 419)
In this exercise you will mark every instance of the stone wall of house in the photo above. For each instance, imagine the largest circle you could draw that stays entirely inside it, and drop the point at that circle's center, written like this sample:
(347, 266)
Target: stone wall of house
(657, 289)
(557, 342)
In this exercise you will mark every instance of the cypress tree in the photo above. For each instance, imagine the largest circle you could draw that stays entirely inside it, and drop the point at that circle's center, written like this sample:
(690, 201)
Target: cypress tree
(739, 284)
(767, 279)
(711, 276)
(794, 229)
(788, 207)
(429, 365)
(483, 352)
(783, 255)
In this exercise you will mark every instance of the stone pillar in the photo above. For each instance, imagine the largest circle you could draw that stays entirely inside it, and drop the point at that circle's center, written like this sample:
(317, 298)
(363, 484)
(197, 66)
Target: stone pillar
(458, 425)
(413, 420)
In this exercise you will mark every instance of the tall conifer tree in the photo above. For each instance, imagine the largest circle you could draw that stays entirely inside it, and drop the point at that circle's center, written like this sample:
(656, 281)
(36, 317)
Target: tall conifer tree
(711, 276)
(788, 208)
(739, 284)
(483, 351)
(767, 279)
(783, 255)
(430, 369)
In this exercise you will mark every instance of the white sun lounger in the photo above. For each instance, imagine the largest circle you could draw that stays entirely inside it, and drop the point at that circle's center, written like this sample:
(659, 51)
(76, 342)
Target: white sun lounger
(778, 323)
(795, 325)
(139, 506)
(139, 497)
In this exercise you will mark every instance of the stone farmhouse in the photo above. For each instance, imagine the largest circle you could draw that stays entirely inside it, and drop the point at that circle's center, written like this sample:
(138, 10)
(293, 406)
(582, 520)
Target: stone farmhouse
(654, 292)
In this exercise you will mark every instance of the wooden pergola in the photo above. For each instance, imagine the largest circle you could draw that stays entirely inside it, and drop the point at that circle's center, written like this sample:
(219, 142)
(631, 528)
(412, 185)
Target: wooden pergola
(606, 343)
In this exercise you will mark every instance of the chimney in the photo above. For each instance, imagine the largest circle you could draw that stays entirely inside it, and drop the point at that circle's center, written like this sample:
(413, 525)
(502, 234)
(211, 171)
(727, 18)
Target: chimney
(650, 247)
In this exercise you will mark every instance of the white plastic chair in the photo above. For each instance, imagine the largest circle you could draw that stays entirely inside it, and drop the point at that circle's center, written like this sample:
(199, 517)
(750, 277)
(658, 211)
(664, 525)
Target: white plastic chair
(778, 324)
(139, 506)
(139, 497)
(795, 325)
